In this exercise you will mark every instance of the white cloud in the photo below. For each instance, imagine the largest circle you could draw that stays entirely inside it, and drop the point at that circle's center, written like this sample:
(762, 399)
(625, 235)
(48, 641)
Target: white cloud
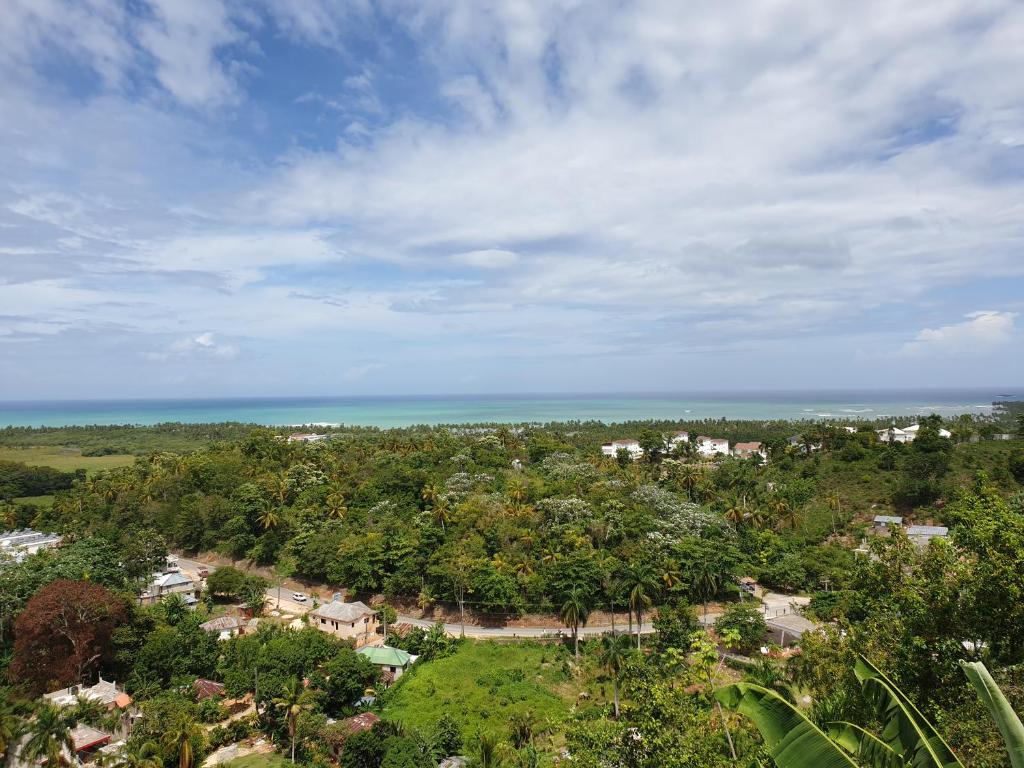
(204, 346)
(186, 38)
(489, 258)
(979, 334)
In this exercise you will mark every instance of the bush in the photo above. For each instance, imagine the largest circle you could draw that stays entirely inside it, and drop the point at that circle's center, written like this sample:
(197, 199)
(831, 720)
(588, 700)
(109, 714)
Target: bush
(746, 620)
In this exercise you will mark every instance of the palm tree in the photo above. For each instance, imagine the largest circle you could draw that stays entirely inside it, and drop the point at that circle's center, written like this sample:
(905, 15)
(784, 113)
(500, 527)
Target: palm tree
(336, 506)
(293, 702)
(50, 738)
(907, 738)
(575, 612)
(615, 649)
(442, 512)
(179, 739)
(835, 506)
(10, 722)
(430, 494)
(269, 518)
(705, 581)
(133, 755)
(641, 583)
(670, 576)
(486, 753)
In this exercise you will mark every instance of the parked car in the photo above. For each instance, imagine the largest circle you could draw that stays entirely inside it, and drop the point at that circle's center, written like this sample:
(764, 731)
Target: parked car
(299, 597)
(204, 572)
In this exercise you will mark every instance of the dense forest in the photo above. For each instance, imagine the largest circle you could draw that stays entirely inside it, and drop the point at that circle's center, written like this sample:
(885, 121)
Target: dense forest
(512, 520)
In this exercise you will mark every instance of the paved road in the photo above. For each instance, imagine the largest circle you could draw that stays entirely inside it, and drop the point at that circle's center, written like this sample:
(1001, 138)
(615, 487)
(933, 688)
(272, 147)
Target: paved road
(774, 603)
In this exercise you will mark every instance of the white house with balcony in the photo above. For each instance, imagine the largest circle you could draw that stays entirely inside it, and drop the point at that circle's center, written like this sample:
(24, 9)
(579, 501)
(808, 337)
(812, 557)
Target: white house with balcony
(632, 447)
(712, 446)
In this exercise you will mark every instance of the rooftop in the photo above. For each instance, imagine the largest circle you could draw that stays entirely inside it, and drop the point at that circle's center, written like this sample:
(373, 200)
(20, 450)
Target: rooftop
(86, 736)
(385, 655)
(223, 624)
(889, 519)
(340, 611)
(927, 530)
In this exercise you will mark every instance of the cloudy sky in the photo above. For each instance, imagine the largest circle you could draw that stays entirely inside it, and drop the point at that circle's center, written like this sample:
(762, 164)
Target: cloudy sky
(289, 197)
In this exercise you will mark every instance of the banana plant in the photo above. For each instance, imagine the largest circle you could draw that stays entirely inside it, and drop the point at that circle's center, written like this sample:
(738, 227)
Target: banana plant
(907, 739)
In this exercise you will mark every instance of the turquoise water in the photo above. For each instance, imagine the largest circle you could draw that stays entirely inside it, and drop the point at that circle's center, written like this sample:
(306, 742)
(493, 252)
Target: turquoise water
(405, 411)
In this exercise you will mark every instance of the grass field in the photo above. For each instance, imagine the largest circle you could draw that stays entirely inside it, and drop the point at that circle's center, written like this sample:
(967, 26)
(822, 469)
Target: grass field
(264, 760)
(485, 683)
(37, 501)
(64, 459)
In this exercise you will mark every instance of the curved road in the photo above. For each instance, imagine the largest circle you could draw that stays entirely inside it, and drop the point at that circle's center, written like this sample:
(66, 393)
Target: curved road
(773, 602)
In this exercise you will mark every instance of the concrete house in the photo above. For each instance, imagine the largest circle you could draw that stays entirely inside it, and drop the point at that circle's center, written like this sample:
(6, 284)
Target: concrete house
(225, 627)
(391, 661)
(350, 621)
(19, 544)
(631, 446)
(885, 522)
(105, 692)
(749, 450)
(170, 584)
(922, 534)
(712, 446)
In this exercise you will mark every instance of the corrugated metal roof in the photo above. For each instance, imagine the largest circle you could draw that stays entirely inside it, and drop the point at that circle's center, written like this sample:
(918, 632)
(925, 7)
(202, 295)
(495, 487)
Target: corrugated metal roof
(340, 611)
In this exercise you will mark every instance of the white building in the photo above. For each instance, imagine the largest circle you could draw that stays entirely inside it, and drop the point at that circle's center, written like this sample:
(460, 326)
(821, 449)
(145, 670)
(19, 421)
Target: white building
(165, 584)
(306, 437)
(906, 434)
(922, 534)
(678, 438)
(712, 446)
(19, 544)
(631, 446)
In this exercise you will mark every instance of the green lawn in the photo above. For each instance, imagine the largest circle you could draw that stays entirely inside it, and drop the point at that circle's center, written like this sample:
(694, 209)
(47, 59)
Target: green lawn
(37, 501)
(266, 760)
(64, 459)
(483, 684)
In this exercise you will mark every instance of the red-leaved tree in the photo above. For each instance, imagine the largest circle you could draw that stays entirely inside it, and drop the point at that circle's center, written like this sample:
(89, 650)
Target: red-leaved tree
(64, 633)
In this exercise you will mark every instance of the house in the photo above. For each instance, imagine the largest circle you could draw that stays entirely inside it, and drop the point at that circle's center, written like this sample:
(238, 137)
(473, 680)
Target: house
(798, 442)
(913, 429)
(19, 544)
(906, 434)
(207, 689)
(392, 661)
(922, 534)
(884, 522)
(712, 446)
(351, 621)
(678, 438)
(307, 437)
(630, 446)
(105, 692)
(789, 627)
(749, 450)
(165, 584)
(226, 627)
(88, 741)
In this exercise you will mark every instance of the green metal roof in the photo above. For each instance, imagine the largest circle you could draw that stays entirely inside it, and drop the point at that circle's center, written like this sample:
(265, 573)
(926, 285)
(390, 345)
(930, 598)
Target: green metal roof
(385, 655)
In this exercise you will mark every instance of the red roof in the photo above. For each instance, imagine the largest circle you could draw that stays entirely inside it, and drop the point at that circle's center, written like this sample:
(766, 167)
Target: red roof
(207, 689)
(360, 723)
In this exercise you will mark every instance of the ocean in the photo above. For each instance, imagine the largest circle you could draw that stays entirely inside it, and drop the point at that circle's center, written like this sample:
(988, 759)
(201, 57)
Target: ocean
(400, 411)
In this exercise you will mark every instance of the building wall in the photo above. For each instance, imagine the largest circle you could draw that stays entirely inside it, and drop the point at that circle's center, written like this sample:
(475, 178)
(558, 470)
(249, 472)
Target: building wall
(362, 631)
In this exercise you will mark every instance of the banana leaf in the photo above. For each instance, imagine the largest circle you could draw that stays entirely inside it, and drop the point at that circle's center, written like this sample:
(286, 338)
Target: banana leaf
(865, 746)
(1006, 720)
(905, 729)
(792, 740)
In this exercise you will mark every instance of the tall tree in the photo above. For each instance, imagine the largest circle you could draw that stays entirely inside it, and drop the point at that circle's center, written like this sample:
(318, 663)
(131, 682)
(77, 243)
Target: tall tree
(642, 584)
(615, 650)
(49, 738)
(575, 612)
(64, 633)
(293, 701)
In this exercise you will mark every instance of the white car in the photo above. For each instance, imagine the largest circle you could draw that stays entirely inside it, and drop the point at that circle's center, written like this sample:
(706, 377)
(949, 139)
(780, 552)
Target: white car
(299, 597)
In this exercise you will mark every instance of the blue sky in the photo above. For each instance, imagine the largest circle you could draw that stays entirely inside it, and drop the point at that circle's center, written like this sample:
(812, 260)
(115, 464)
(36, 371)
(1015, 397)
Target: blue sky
(293, 197)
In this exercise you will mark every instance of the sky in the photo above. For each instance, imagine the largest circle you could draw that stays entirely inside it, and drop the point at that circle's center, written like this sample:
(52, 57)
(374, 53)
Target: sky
(305, 197)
